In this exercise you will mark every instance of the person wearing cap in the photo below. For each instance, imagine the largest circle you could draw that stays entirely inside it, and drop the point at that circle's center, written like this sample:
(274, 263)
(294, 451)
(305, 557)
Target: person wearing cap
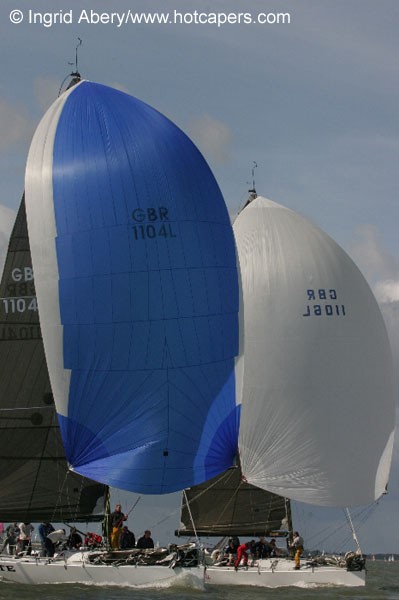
(127, 539)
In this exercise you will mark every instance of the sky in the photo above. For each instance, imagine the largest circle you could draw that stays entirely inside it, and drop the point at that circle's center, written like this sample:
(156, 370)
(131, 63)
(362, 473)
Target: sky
(311, 100)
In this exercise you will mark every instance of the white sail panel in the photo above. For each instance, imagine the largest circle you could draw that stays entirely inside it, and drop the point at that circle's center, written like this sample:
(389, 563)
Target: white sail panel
(317, 415)
(42, 233)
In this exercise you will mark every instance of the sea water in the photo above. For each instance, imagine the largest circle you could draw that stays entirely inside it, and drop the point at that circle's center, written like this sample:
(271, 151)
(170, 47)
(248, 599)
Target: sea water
(382, 584)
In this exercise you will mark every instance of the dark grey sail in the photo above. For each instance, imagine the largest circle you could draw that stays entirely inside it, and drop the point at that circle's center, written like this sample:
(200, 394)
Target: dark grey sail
(35, 483)
(226, 506)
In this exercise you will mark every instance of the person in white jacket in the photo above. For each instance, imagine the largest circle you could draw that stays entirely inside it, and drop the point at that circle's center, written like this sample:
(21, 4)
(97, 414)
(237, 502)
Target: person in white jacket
(52, 539)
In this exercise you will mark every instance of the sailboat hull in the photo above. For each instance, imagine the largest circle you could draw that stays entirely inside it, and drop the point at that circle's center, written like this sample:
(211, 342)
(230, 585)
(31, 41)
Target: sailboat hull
(280, 573)
(77, 569)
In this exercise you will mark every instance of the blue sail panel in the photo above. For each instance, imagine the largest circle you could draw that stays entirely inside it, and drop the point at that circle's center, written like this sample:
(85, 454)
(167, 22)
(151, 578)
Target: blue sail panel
(148, 297)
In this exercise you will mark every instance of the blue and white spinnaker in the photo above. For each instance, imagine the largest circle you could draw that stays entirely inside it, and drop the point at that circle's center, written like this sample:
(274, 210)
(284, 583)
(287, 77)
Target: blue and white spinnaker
(137, 286)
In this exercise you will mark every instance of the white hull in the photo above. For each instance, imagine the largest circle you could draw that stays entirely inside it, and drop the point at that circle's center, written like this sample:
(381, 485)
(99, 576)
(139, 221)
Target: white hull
(77, 569)
(282, 574)
(265, 573)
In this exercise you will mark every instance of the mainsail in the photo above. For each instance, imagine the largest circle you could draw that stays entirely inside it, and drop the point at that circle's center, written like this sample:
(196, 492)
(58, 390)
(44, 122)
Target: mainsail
(137, 285)
(226, 505)
(36, 484)
(317, 370)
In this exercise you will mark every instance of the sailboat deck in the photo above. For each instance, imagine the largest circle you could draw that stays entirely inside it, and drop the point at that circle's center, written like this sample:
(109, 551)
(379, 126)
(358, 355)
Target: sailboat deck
(280, 572)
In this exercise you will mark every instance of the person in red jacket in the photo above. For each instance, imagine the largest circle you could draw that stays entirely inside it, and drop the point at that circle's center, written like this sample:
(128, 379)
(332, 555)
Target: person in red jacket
(242, 553)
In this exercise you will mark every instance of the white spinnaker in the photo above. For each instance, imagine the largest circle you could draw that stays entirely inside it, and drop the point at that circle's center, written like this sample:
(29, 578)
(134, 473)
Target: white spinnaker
(42, 235)
(317, 403)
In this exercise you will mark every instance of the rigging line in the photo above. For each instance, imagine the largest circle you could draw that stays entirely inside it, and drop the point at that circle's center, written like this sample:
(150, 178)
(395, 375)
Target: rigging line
(62, 84)
(171, 514)
(177, 510)
(28, 408)
(362, 517)
(69, 502)
(191, 518)
(60, 492)
(342, 536)
(106, 524)
(327, 532)
(344, 541)
(228, 473)
(168, 516)
(76, 72)
(232, 500)
(367, 511)
(77, 503)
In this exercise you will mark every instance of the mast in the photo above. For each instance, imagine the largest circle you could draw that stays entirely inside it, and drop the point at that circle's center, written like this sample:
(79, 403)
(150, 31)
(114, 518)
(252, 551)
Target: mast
(107, 514)
(76, 77)
(252, 192)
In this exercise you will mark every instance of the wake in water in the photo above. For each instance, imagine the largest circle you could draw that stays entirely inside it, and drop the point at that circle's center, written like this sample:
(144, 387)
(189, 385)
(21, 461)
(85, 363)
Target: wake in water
(184, 580)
